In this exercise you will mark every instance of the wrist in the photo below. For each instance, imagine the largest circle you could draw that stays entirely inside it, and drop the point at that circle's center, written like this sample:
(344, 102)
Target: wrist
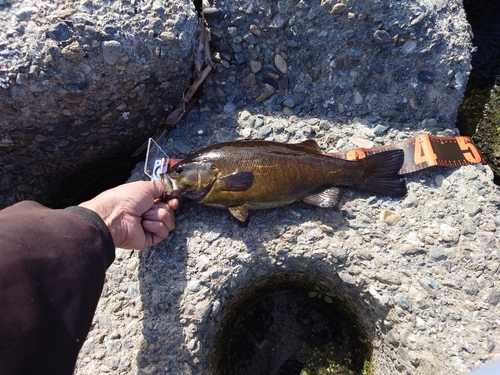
(95, 220)
(108, 216)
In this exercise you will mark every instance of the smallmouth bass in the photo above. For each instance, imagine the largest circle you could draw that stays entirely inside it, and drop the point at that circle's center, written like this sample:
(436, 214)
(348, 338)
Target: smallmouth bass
(254, 174)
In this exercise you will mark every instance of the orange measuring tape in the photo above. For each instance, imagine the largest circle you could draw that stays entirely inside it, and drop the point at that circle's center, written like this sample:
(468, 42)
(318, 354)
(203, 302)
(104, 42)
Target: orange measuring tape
(424, 151)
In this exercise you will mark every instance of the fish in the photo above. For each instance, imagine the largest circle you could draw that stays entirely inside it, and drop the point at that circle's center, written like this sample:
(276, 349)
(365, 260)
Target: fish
(256, 174)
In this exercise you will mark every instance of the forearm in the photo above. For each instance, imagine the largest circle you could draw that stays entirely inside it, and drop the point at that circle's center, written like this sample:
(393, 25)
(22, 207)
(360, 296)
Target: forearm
(52, 269)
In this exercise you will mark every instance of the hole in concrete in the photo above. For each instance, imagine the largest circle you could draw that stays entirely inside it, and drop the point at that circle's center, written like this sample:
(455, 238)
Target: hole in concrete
(292, 329)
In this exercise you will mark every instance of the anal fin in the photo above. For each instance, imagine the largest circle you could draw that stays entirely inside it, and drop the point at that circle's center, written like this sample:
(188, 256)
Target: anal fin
(327, 198)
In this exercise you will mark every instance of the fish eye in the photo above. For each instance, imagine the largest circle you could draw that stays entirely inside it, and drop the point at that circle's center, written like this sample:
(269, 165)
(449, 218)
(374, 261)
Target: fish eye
(178, 169)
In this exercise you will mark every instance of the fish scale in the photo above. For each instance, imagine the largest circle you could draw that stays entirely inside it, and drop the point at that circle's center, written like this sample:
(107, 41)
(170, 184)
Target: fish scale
(252, 174)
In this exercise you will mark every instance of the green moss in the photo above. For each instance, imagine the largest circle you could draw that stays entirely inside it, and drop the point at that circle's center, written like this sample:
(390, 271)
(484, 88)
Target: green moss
(479, 118)
(328, 362)
(470, 111)
(488, 136)
(368, 368)
(316, 358)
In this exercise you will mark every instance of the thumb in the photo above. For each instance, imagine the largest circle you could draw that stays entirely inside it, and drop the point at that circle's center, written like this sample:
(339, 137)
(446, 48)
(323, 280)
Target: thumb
(158, 189)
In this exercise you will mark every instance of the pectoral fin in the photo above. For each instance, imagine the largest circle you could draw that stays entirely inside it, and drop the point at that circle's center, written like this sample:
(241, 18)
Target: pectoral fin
(237, 181)
(327, 198)
(239, 212)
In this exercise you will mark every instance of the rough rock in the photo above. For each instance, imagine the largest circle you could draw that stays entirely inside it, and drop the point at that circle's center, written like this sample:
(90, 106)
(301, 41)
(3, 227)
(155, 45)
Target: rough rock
(421, 283)
(81, 83)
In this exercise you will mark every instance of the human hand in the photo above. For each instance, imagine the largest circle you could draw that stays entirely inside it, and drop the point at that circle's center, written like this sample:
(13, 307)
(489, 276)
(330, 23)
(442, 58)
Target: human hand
(133, 216)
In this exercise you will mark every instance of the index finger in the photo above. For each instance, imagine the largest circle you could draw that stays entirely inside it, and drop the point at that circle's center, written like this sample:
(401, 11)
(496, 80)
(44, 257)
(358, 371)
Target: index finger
(173, 203)
(158, 189)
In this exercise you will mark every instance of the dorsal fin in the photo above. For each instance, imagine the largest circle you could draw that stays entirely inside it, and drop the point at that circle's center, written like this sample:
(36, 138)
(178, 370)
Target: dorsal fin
(312, 144)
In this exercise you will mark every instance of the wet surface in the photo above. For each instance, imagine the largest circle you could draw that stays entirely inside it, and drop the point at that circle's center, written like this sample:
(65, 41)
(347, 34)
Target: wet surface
(484, 18)
(477, 115)
(292, 332)
(95, 179)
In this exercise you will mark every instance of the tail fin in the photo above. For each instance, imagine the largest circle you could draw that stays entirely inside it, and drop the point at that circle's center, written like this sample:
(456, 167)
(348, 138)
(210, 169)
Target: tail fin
(381, 173)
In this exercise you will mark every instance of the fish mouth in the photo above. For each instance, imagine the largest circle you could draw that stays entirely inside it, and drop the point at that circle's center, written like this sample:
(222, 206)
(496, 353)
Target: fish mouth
(170, 189)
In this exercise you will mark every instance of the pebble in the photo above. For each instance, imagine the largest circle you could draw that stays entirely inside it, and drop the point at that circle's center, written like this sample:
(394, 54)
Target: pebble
(268, 92)
(448, 233)
(494, 297)
(255, 66)
(380, 299)
(358, 99)
(361, 142)
(459, 81)
(473, 208)
(73, 51)
(60, 32)
(289, 102)
(239, 57)
(468, 227)
(339, 254)
(250, 38)
(471, 287)
(132, 290)
(382, 36)
(277, 22)
(265, 131)
(338, 8)
(111, 51)
(420, 324)
(212, 13)
(437, 254)
(25, 13)
(441, 181)
(287, 111)
(432, 122)
(392, 338)
(409, 47)
(421, 302)
(380, 130)
(280, 64)
(404, 302)
(431, 282)
(390, 217)
(193, 285)
(255, 30)
(388, 278)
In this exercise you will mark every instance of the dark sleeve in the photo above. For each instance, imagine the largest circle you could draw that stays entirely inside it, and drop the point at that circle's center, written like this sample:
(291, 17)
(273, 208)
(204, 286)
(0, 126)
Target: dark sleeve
(52, 269)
